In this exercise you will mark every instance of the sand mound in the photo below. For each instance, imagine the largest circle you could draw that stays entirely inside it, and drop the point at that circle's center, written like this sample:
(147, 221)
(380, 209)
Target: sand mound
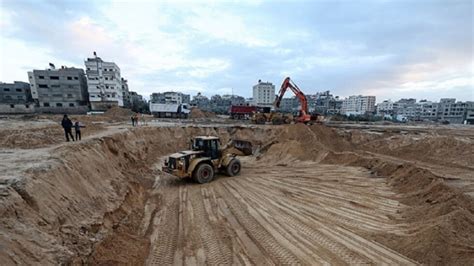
(119, 112)
(198, 113)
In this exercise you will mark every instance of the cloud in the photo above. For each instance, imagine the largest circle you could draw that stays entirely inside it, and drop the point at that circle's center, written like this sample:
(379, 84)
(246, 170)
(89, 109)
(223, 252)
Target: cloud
(388, 49)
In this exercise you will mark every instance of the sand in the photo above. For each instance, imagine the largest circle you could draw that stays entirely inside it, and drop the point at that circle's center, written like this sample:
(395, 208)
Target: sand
(309, 195)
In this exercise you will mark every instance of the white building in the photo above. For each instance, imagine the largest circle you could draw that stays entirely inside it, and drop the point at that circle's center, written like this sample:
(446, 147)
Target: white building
(385, 108)
(263, 94)
(104, 84)
(358, 105)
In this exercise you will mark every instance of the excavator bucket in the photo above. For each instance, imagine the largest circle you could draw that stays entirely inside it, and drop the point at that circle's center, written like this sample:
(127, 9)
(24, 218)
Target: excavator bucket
(243, 145)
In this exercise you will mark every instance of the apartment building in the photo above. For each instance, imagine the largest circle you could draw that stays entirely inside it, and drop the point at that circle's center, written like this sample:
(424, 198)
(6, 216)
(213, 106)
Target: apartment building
(15, 98)
(263, 94)
(358, 105)
(59, 90)
(127, 101)
(104, 84)
(170, 97)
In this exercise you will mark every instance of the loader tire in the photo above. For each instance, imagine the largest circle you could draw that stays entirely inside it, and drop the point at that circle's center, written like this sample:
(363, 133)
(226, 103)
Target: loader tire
(204, 173)
(233, 168)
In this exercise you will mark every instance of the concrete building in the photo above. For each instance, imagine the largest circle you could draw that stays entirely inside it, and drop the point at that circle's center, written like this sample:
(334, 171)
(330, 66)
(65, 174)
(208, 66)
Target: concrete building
(385, 108)
(201, 101)
(358, 105)
(104, 84)
(127, 102)
(15, 98)
(59, 90)
(452, 111)
(263, 94)
(170, 97)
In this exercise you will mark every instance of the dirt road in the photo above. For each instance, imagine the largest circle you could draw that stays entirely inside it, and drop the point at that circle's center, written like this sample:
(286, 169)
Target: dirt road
(307, 213)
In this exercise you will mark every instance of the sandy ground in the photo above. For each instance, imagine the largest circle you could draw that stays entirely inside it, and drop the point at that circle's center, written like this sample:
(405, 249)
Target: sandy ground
(350, 194)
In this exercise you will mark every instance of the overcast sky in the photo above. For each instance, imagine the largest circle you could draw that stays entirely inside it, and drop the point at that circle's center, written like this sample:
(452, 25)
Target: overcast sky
(391, 49)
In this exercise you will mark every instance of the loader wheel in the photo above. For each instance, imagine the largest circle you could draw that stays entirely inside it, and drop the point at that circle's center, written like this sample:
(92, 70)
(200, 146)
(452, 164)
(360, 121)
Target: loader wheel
(204, 173)
(233, 168)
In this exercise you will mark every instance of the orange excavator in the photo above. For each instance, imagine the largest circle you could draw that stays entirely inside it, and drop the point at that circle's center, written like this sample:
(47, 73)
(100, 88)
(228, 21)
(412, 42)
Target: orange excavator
(304, 116)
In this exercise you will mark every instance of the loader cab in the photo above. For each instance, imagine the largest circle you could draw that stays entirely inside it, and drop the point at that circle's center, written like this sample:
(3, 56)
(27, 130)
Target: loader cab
(208, 144)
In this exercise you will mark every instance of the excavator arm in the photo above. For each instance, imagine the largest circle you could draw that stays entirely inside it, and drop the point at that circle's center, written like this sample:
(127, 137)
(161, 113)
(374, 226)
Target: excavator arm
(304, 115)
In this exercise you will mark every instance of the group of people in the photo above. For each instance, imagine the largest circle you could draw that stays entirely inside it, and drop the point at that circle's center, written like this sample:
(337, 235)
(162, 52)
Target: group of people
(135, 119)
(67, 125)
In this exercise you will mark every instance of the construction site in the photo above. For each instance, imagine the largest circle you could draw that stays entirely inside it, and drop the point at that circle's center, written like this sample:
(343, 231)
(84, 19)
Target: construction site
(306, 194)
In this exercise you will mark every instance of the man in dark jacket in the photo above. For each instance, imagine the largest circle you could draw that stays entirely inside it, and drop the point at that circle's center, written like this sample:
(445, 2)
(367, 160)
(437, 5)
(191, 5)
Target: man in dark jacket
(67, 125)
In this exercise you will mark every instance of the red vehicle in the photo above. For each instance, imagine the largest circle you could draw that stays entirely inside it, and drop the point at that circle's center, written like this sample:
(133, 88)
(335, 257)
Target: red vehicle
(242, 111)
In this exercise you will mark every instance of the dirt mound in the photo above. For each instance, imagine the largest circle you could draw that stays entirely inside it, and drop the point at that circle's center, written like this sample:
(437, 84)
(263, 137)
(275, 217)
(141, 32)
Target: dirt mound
(198, 113)
(43, 136)
(119, 112)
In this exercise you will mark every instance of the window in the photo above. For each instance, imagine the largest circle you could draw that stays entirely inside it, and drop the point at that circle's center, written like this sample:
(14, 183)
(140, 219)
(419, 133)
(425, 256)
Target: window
(55, 86)
(46, 104)
(41, 77)
(108, 95)
(42, 86)
(8, 97)
(18, 90)
(12, 106)
(106, 78)
(70, 86)
(6, 89)
(92, 96)
(88, 68)
(69, 95)
(71, 104)
(76, 78)
(105, 69)
(69, 78)
(27, 105)
(59, 105)
(54, 77)
(20, 97)
(57, 95)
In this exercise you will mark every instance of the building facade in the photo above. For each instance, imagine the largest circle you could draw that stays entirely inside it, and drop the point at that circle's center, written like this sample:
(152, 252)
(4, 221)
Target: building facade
(385, 108)
(104, 84)
(127, 102)
(358, 105)
(59, 90)
(170, 97)
(15, 98)
(263, 94)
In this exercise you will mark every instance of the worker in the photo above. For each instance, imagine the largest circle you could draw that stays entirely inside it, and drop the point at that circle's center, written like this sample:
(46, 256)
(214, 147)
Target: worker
(77, 127)
(67, 125)
(133, 120)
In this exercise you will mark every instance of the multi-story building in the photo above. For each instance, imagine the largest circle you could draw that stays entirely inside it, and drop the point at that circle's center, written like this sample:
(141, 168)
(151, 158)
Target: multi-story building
(127, 102)
(104, 84)
(15, 98)
(452, 111)
(263, 93)
(59, 90)
(358, 105)
(385, 108)
(170, 97)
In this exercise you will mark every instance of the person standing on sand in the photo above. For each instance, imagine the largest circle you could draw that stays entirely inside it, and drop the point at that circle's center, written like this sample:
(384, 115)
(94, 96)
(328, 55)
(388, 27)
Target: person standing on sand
(67, 125)
(133, 120)
(77, 127)
(136, 120)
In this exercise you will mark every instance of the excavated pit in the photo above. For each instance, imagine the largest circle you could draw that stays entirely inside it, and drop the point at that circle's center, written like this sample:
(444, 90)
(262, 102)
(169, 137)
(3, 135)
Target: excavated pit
(309, 195)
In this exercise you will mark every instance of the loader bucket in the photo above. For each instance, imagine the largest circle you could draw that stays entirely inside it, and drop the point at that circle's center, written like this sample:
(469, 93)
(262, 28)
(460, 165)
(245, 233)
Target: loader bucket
(243, 146)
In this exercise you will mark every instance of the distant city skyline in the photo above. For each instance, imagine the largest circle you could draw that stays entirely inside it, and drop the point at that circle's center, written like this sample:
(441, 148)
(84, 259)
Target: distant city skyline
(392, 50)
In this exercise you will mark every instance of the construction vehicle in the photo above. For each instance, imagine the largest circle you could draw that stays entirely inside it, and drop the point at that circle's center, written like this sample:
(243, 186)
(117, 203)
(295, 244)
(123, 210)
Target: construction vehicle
(205, 158)
(278, 118)
(303, 116)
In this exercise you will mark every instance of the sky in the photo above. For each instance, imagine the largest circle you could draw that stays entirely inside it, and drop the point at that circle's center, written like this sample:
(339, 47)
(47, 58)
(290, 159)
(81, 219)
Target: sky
(419, 49)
